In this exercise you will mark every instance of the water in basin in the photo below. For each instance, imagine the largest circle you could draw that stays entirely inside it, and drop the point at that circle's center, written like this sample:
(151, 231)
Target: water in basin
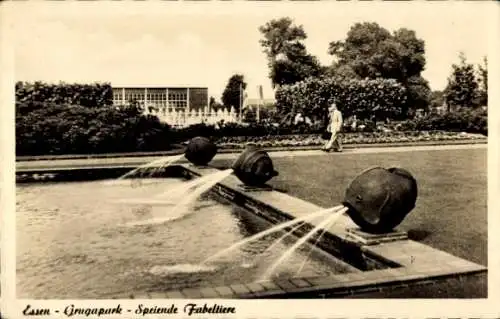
(85, 240)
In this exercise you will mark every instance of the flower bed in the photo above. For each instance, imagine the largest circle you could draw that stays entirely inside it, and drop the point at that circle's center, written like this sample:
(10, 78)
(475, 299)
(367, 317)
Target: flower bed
(347, 138)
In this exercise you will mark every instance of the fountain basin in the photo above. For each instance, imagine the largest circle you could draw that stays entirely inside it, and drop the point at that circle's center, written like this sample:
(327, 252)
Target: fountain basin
(105, 248)
(380, 264)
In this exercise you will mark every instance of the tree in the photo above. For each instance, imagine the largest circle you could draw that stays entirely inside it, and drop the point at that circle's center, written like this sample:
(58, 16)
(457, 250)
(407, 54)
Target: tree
(419, 93)
(370, 51)
(483, 82)
(361, 50)
(214, 105)
(287, 56)
(437, 99)
(212, 101)
(233, 93)
(249, 115)
(343, 71)
(462, 88)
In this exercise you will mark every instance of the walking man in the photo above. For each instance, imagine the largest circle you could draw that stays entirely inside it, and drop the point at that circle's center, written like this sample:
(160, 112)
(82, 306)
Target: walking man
(334, 127)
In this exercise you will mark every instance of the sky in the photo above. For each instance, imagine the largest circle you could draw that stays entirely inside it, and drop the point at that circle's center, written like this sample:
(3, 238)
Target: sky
(200, 44)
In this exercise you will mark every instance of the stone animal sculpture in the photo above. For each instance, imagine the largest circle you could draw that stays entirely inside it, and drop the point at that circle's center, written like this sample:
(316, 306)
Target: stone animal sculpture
(254, 167)
(379, 199)
(200, 151)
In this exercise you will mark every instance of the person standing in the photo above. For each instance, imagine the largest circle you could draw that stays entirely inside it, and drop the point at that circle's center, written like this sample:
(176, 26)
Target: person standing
(334, 127)
(354, 124)
(299, 119)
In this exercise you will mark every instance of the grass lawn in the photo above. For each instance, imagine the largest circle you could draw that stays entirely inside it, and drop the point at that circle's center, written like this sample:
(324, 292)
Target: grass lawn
(451, 211)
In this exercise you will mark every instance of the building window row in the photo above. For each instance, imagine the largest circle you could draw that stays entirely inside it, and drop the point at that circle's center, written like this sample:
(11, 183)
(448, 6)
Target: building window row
(177, 96)
(163, 98)
(178, 104)
(157, 97)
(134, 96)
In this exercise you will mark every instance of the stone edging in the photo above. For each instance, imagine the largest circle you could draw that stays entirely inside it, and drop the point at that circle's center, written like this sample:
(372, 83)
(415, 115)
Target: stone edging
(237, 150)
(347, 285)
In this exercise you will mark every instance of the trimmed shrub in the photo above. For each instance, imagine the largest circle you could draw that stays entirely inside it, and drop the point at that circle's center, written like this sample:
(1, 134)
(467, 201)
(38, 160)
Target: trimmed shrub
(47, 123)
(367, 99)
(462, 120)
(75, 129)
(30, 96)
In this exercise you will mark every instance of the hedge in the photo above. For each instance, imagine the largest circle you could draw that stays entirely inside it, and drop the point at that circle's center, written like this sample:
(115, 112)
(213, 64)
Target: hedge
(80, 119)
(379, 98)
(69, 129)
(35, 95)
(145, 133)
(75, 129)
(472, 120)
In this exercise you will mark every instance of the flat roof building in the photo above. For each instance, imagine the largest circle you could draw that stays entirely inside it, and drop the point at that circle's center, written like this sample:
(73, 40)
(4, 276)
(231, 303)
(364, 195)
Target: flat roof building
(163, 98)
(177, 106)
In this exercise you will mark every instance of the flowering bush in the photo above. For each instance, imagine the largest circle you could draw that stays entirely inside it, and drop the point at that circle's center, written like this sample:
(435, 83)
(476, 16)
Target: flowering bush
(382, 98)
(347, 138)
(30, 96)
(463, 120)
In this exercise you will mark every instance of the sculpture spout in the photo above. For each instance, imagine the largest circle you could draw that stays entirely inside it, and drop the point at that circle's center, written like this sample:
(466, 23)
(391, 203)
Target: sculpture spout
(379, 199)
(254, 167)
(200, 151)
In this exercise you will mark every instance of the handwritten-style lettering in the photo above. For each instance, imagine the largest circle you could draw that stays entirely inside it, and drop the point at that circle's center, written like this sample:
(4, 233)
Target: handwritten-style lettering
(29, 311)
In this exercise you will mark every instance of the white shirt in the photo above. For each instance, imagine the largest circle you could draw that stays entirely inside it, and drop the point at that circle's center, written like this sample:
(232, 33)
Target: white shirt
(335, 121)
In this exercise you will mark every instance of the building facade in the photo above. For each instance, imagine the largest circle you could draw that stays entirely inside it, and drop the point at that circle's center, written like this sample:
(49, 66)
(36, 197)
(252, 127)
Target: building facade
(163, 99)
(177, 106)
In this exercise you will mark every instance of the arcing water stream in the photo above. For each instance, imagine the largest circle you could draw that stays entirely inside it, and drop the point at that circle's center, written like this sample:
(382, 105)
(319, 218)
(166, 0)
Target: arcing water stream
(336, 214)
(270, 231)
(184, 207)
(164, 162)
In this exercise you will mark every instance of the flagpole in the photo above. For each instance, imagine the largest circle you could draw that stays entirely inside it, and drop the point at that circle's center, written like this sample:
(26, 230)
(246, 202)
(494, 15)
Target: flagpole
(258, 112)
(241, 101)
(261, 102)
(261, 97)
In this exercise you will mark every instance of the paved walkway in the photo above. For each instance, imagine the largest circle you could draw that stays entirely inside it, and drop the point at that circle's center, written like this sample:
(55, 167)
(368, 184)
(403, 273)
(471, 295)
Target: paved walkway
(136, 161)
